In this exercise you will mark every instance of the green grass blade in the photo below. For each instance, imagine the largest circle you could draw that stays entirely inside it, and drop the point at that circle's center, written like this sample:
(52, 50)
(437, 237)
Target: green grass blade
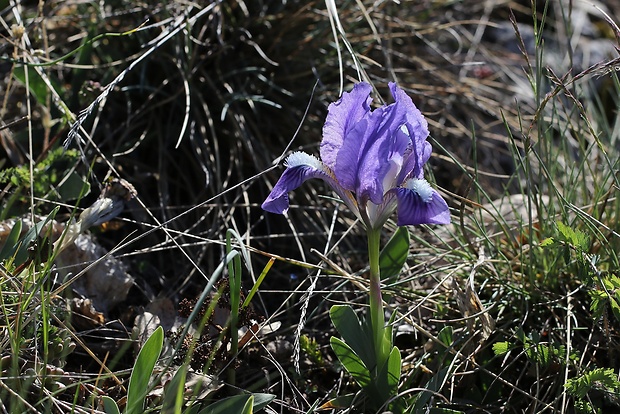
(434, 385)
(240, 246)
(234, 282)
(173, 396)
(22, 251)
(260, 279)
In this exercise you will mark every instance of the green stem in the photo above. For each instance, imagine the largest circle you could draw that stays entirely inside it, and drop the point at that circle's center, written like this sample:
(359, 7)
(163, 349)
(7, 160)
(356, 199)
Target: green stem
(377, 318)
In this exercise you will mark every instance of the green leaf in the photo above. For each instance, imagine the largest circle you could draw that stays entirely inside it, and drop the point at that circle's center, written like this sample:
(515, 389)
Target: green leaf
(582, 240)
(434, 385)
(611, 282)
(36, 84)
(248, 408)
(22, 251)
(389, 376)
(597, 306)
(501, 348)
(239, 404)
(261, 400)
(394, 254)
(608, 294)
(348, 325)
(11, 243)
(566, 232)
(549, 241)
(193, 409)
(603, 379)
(73, 187)
(142, 371)
(585, 407)
(445, 336)
(109, 405)
(234, 404)
(351, 361)
(615, 307)
(174, 392)
(576, 238)
(343, 401)
(543, 355)
(521, 336)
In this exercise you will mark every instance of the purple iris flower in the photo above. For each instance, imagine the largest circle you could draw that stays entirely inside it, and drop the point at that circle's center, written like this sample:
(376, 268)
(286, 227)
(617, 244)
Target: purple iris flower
(373, 159)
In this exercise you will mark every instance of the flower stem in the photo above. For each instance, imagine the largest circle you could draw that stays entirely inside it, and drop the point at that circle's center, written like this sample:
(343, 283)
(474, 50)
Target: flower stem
(377, 318)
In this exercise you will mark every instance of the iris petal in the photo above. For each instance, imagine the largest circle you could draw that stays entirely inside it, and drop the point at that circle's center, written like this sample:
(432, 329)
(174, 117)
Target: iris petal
(342, 117)
(300, 167)
(418, 203)
(373, 159)
(363, 157)
(371, 155)
(382, 160)
(416, 124)
(415, 158)
(416, 127)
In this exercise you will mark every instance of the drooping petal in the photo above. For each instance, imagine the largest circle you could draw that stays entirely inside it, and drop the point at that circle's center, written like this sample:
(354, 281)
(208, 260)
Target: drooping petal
(300, 167)
(418, 203)
(342, 117)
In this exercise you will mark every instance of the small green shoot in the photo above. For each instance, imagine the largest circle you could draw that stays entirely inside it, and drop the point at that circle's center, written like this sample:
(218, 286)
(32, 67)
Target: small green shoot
(175, 392)
(242, 404)
(139, 382)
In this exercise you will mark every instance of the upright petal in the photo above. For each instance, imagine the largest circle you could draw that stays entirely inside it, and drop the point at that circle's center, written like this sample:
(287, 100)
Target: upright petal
(381, 158)
(415, 157)
(416, 123)
(383, 148)
(418, 203)
(416, 127)
(394, 161)
(342, 117)
(363, 143)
